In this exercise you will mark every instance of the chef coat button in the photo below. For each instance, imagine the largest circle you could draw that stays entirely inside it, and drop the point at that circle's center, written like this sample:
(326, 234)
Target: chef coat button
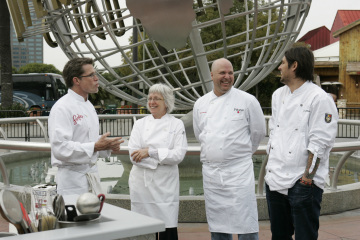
(287, 174)
(277, 125)
(301, 105)
(221, 148)
(269, 170)
(296, 129)
(272, 148)
(290, 152)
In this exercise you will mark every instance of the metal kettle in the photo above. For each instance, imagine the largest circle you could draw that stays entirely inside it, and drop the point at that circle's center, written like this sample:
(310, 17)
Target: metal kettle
(90, 203)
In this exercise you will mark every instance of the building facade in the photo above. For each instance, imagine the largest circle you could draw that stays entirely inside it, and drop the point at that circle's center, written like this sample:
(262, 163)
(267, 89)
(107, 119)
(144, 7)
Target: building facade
(28, 51)
(349, 64)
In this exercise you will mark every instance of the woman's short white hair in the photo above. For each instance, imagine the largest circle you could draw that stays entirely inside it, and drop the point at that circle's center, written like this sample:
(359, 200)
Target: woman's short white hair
(166, 93)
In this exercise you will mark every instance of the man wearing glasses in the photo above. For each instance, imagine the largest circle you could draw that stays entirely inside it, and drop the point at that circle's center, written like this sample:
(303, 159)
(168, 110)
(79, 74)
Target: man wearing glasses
(74, 132)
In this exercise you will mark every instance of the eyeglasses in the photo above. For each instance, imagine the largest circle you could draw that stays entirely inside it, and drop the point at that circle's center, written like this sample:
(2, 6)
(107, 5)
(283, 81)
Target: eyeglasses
(91, 76)
(155, 99)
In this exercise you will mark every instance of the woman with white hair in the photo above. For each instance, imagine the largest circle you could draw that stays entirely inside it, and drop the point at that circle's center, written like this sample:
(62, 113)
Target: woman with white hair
(157, 145)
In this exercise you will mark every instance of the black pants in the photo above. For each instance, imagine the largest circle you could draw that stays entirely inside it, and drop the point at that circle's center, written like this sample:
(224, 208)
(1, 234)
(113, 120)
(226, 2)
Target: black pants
(169, 234)
(297, 212)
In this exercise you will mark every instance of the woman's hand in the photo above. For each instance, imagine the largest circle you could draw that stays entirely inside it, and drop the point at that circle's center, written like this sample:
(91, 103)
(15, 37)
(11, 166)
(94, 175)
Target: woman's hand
(138, 155)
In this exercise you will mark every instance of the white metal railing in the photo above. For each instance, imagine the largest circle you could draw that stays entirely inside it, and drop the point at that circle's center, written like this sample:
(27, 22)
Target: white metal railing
(347, 147)
(40, 121)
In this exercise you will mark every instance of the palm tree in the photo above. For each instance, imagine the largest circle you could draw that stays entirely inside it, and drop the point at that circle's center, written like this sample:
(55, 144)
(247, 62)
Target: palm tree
(5, 56)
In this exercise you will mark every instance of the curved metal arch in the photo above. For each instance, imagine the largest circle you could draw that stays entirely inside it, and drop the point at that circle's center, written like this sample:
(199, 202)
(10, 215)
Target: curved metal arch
(83, 42)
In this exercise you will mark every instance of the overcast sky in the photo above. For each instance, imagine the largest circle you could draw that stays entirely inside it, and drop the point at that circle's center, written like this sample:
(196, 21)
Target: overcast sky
(322, 13)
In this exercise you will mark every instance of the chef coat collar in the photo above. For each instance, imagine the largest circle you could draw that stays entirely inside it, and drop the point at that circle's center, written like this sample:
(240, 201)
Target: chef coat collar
(213, 95)
(162, 118)
(76, 96)
(302, 88)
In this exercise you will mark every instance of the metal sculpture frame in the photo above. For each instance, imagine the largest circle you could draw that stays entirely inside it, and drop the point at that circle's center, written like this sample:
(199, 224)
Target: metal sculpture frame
(98, 28)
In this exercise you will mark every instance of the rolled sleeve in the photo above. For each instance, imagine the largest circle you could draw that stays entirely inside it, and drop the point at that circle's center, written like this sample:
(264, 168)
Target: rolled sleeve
(322, 132)
(176, 154)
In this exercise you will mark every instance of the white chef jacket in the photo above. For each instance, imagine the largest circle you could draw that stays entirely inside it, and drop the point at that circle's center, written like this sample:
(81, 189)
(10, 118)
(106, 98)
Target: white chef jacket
(154, 182)
(73, 131)
(300, 122)
(229, 128)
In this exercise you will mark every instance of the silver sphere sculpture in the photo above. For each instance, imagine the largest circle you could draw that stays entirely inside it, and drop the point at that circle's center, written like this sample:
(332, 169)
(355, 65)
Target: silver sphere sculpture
(175, 41)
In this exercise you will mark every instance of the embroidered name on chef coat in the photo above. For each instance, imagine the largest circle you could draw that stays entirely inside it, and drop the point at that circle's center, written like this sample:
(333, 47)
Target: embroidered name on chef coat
(328, 117)
(238, 110)
(77, 117)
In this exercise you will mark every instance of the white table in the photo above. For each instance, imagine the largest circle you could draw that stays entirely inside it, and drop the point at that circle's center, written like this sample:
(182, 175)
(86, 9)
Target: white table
(115, 223)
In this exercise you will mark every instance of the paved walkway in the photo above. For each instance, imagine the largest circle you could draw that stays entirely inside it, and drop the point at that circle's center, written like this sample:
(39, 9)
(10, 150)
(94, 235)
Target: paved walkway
(344, 226)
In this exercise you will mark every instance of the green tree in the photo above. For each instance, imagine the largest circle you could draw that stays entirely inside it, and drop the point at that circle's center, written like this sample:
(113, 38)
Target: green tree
(210, 37)
(5, 56)
(39, 68)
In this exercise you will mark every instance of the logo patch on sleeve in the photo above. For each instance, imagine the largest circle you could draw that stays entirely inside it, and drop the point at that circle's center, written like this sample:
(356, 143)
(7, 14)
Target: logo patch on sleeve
(328, 117)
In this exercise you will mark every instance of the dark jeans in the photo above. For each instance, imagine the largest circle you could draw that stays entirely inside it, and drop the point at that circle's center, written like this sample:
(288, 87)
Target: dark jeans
(298, 211)
(169, 234)
(226, 236)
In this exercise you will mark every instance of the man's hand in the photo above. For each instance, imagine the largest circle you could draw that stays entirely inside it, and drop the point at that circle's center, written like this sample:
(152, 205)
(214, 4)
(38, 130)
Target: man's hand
(105, 143)
(138, 155)
(307, 181)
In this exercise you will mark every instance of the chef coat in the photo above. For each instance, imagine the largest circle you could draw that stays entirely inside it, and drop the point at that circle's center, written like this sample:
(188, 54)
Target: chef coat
(154, 182)
(229, 128)
(302, 121)
(73, 131)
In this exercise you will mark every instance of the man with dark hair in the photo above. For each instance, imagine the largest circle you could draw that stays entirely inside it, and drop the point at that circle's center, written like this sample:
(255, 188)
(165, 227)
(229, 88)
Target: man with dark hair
(74, 132)
(303, 128)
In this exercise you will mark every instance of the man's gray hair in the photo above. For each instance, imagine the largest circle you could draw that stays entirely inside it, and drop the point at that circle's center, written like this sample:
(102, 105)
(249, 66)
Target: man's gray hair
(166, 93)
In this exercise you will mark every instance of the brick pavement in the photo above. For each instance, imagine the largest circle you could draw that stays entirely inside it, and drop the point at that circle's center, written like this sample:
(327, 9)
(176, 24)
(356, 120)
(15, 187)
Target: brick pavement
(4, 225)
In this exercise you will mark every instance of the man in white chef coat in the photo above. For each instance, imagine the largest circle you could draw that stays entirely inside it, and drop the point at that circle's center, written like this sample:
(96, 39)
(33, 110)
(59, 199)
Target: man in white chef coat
(229, 124)
(303, 128)
(74, 132)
